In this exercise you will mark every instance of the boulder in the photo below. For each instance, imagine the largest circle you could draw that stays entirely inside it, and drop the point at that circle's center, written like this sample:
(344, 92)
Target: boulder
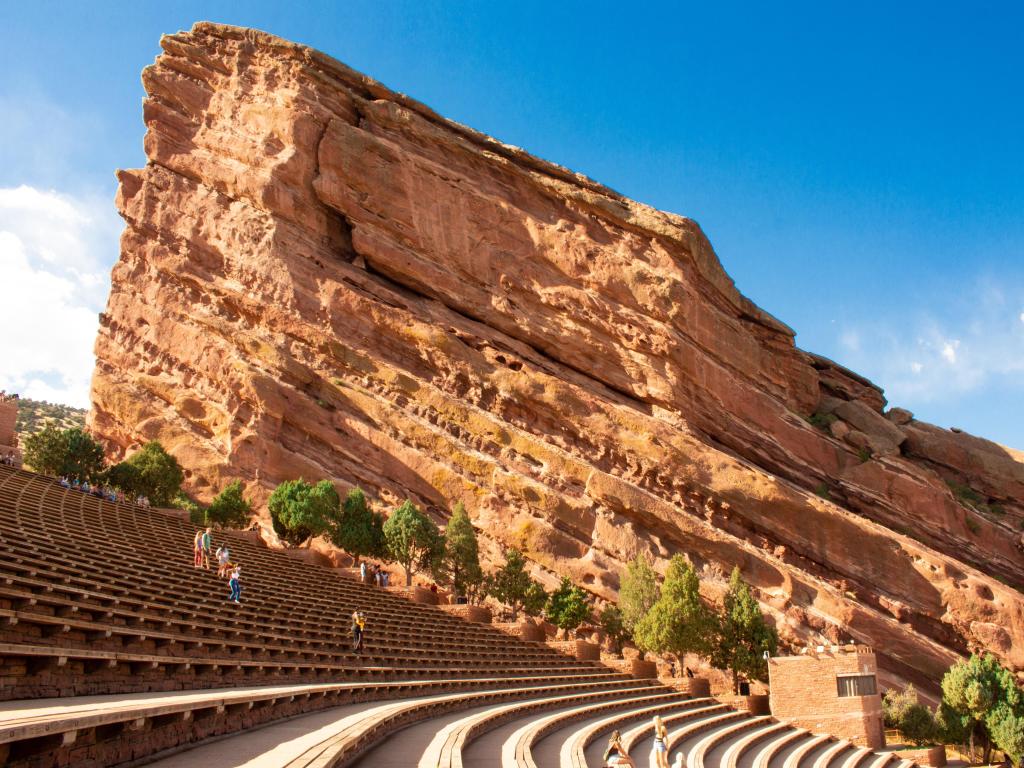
(882, 435)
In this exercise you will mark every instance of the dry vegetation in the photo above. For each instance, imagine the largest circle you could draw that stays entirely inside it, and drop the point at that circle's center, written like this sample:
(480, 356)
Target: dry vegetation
(33, 415)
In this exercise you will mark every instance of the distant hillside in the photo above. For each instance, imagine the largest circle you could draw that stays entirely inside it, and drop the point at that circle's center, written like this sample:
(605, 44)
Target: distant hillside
(33, 415)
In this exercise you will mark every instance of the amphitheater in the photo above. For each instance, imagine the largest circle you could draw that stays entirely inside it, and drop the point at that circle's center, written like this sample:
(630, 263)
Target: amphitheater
(116, 651)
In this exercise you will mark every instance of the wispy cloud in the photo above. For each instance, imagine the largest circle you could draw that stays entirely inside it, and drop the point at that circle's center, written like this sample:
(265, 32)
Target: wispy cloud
(959, 345)
(56, 251)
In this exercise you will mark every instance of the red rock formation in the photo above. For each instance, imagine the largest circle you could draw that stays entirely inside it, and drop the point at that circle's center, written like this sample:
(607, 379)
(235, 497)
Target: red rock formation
(322, 277)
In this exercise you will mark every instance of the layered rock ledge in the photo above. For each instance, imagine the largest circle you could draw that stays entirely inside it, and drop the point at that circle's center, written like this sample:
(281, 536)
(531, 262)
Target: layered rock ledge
(321, 277)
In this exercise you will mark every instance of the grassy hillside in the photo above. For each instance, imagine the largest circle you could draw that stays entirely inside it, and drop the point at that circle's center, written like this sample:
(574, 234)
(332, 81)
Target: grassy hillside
(33, 415)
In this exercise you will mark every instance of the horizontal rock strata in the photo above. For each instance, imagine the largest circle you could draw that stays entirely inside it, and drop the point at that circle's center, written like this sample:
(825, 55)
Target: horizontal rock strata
(321, 277)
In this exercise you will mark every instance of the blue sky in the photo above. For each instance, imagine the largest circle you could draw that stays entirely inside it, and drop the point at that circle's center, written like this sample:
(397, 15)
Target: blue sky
(858, 168)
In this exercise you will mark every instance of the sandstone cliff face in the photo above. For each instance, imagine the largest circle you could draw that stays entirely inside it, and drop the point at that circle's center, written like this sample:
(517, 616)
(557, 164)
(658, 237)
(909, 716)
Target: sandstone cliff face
(321, 277)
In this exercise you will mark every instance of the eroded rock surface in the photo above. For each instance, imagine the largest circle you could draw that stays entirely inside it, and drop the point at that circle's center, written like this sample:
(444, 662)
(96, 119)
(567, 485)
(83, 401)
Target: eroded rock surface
(321, 277)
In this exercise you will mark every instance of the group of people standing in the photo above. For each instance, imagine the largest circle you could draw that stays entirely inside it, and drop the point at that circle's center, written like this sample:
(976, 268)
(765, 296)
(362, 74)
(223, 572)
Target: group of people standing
(201, 548)
(374, 574)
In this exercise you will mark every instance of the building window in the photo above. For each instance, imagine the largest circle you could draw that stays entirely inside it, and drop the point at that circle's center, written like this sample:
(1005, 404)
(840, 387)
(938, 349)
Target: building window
(856, 685)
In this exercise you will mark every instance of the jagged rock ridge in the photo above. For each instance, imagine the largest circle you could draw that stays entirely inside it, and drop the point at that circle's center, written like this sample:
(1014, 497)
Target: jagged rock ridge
(321, 277)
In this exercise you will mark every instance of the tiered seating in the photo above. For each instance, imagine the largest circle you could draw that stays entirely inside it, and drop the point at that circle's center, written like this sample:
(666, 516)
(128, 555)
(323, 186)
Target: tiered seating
(100, 605)
(99, 601)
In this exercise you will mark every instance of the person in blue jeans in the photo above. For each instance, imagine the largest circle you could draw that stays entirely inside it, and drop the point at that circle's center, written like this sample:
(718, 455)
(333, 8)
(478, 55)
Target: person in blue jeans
(236, 588)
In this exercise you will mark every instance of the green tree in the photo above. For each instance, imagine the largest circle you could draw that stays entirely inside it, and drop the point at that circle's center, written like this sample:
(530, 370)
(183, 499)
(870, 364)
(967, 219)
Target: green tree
(512, 585)
(412, 540)
(568, 606)
(679, 622)
(638, 592)
(1007, 729)
(229, 509)
(358, 530)
(64, 452)
(895, 704)
(742, 635)
(970, 690)
(128, 478)
(299, 511)
(917, 724)
(949, 725)
(156, 474)
(611, 622)
(535, 599)
(461, 560)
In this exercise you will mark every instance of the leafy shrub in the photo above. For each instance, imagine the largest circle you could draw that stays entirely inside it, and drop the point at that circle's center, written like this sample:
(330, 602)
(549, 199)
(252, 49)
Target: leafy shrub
(822, 420)
(568, 606)
(196, 514)
(918, 725)
(230, 509)
(822, 490)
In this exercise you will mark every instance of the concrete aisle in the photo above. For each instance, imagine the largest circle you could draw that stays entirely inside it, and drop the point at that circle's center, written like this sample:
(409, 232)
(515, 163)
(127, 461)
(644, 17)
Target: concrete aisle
(268, 747)
(405, 748)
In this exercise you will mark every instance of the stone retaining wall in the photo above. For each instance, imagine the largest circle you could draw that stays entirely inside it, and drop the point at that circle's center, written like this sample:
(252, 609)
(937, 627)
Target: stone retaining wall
(931, 756)
(475, 613)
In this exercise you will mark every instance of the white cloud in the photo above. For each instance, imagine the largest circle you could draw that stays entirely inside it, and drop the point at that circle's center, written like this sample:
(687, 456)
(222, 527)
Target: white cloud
(56, 251)
(966, 341)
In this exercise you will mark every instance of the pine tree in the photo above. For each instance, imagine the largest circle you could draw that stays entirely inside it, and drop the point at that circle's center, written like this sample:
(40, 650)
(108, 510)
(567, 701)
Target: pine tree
(980, 697)
(300, 511)
(461, 561)
(412, 540)
(638, 592)
(679, 622)
(1007, 728)
(535, 599)
(512, 585)
(742, 636)
(358, 529)
(611, 622)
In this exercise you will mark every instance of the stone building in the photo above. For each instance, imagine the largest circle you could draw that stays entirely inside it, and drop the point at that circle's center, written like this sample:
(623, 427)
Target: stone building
(830, 689)
(8, 420)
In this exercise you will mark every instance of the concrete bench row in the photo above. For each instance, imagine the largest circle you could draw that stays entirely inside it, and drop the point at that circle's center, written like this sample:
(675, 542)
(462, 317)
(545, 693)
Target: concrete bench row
(63, 584)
